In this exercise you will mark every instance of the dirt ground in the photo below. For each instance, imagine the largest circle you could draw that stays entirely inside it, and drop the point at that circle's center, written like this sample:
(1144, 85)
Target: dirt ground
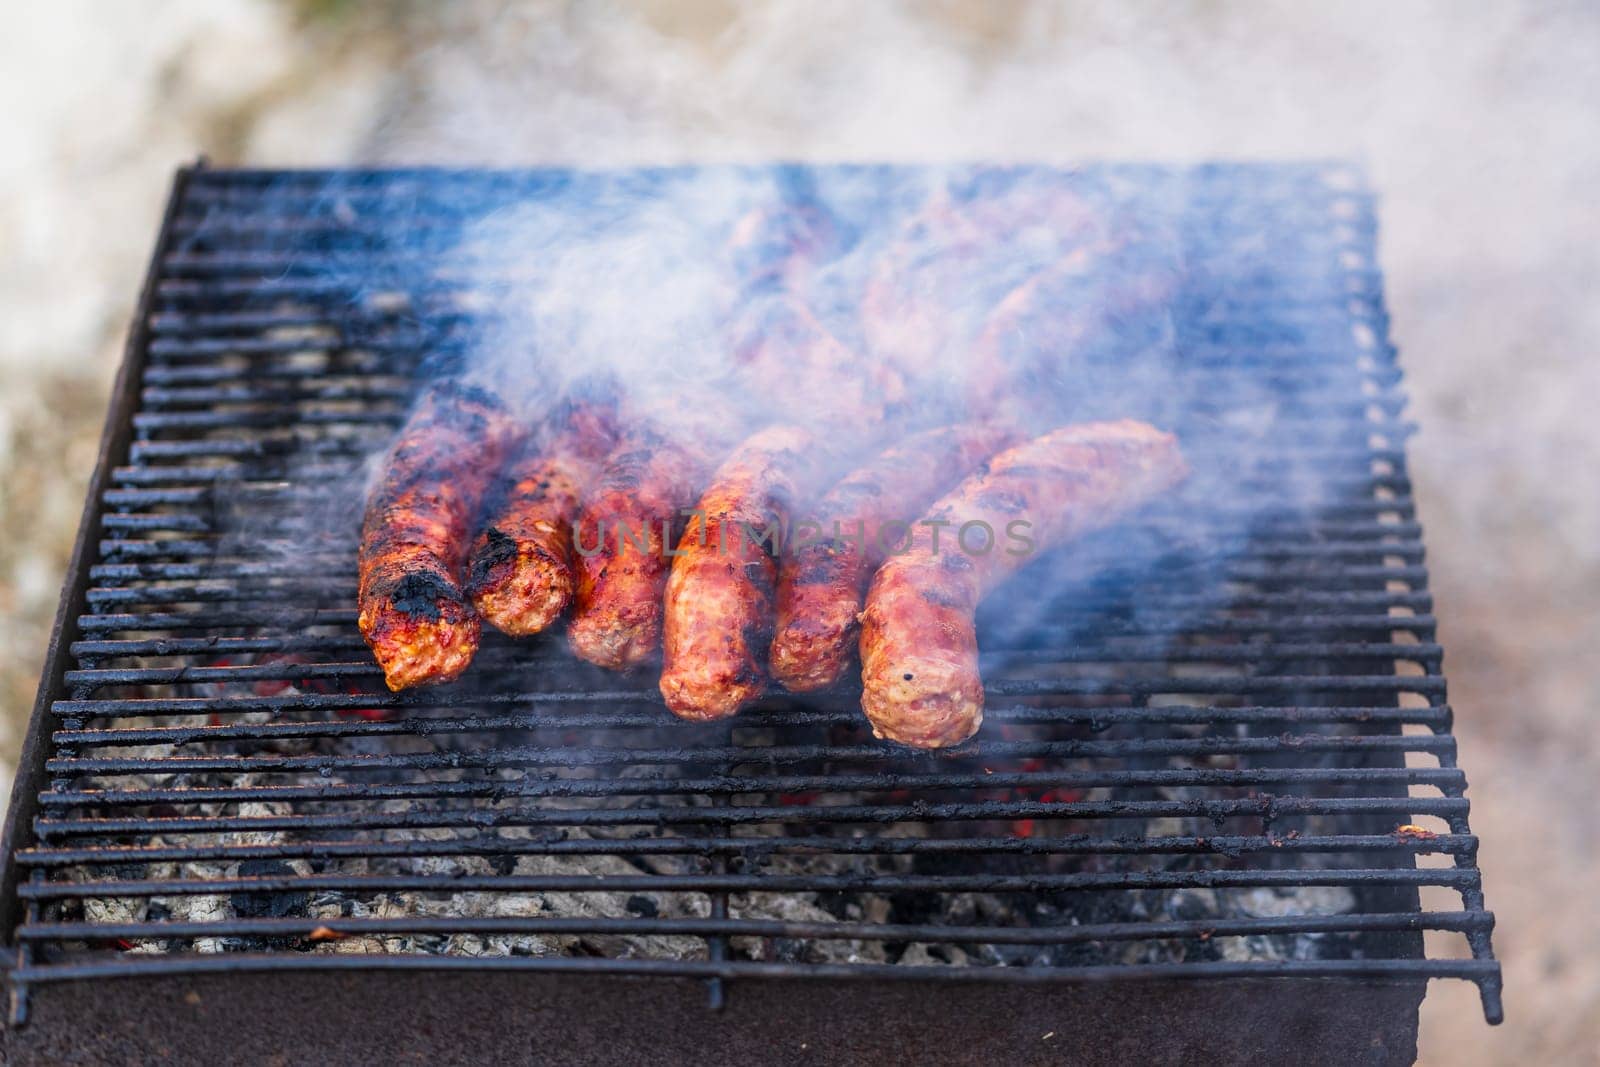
(1478, 124)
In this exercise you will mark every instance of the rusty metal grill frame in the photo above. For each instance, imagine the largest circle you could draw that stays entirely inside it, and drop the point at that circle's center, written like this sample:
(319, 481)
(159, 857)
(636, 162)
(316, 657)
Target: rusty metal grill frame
(211, 407)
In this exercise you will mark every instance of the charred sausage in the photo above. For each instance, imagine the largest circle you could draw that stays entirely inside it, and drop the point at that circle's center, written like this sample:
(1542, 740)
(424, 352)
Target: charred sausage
(919, 647)
(821, 581)
(1106, 299)
(934, 285)
(719, 595)
(520, 574)
(623, 536)
(414, 536)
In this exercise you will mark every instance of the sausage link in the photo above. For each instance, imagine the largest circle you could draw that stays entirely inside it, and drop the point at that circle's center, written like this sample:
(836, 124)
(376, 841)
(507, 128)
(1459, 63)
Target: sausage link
(789, 355)
(1108, 295)
(414, 536)
(623, 534)
(953, 261)
(520, 574)
(777, 245)
(719, 595)
(821, 582)
(919, 644)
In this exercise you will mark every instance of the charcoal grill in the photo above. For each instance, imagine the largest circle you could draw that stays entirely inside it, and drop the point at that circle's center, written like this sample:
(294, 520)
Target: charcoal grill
(1259, 710)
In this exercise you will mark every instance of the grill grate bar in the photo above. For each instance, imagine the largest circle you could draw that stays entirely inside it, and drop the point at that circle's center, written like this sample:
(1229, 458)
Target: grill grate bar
(300, 672)
(1096, 717)
(1483, 971)
(1266, 806)
(747, 847)
(1131, 651)
(1448, 779)
(773, 756)
(272, 590)
(1448, 878)
(1457, 922)
(1424, 685)
(1423, 625)
(344, 327)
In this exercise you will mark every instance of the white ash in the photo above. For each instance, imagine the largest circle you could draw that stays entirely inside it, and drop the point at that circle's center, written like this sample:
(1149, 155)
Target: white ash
(328, 909)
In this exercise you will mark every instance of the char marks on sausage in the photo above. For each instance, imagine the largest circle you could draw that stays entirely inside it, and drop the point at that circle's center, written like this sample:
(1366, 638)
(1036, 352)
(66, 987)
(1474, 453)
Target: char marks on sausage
(919, 645)
(414, 537)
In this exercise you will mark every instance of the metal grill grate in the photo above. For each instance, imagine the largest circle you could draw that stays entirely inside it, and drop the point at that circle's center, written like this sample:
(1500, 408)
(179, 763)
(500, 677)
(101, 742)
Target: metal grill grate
(1258, 712)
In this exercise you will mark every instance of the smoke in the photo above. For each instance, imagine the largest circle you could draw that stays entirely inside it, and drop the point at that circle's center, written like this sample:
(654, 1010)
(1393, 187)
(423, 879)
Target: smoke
(1466, 115)
(624, 276)
(611, 278)
(675, 290)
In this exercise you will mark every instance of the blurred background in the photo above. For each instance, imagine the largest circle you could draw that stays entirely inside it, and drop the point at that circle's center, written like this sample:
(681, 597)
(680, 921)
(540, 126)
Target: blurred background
(1479, 125)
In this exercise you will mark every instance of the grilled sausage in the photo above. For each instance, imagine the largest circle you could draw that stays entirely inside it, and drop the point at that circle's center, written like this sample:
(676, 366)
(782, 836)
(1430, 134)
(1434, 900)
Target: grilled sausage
(954, 260)
(719, 596)
(919, 647)
(1032, 325)
(820, 583)
(520, 574)
(785, 353)
(414, 537)
(791, 347)
(623, 536)
(1106, 299)
(777, 245)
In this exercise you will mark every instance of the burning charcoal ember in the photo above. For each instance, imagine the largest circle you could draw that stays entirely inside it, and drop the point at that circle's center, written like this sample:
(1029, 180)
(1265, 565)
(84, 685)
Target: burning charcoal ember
(267, 905)
(208, 908)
